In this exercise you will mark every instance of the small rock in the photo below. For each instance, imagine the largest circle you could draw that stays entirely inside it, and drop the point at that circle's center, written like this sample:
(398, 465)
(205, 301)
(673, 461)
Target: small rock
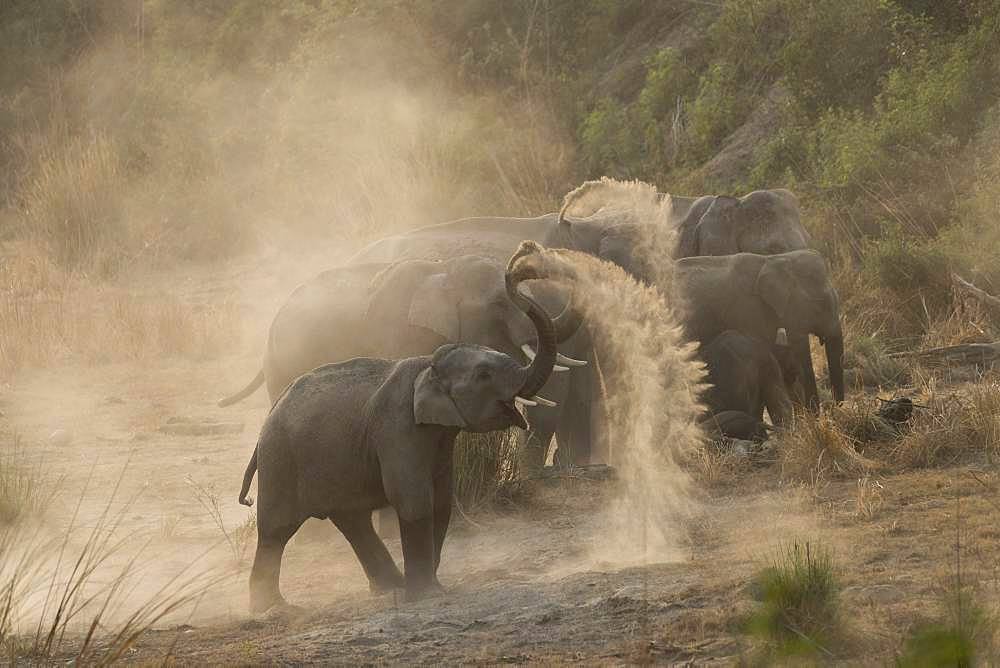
(61, 438)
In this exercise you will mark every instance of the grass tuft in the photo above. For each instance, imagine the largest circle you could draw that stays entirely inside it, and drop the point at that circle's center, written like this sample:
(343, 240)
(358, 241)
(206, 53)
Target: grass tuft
(799, 595)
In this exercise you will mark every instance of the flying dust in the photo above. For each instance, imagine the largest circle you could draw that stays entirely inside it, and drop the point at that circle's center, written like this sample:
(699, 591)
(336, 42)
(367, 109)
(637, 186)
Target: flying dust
(652, 382)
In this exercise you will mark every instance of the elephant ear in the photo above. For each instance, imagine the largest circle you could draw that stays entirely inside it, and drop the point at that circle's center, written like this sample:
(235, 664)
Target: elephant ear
(417, 288)
(433, 307)
(431, 402)
(774, 286)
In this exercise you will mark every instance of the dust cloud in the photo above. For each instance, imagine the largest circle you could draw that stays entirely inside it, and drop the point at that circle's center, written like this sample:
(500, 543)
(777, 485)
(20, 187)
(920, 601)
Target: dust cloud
(651, 384)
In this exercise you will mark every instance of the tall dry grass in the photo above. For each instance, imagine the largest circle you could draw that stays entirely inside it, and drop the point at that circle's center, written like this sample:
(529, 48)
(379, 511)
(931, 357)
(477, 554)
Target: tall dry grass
(72, 595)
(49, 315)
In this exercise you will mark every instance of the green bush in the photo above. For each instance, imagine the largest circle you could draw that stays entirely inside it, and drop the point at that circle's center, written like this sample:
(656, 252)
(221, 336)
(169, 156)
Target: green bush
(609, 140)
(719, 107)
(918, 271)
(799, 596)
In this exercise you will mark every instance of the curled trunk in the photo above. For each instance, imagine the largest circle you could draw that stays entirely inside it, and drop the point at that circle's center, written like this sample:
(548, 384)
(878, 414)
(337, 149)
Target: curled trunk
(540, 368)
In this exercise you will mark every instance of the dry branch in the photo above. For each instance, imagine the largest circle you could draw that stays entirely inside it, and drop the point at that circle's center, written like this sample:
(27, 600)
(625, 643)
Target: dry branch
(968, 353)
(963, 287)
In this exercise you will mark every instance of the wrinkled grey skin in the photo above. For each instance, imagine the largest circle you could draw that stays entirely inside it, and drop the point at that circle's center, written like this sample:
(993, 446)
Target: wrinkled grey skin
(765, 222)
(744, 376)
(390, 310)
(498, 237)
(757, 295)
(348, 438)
(735, 424)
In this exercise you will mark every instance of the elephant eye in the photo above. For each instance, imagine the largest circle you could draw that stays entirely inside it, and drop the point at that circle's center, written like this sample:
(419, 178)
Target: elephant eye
(482, 374)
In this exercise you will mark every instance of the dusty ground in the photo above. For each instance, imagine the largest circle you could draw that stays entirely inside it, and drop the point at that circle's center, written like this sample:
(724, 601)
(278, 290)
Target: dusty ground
(523, 584)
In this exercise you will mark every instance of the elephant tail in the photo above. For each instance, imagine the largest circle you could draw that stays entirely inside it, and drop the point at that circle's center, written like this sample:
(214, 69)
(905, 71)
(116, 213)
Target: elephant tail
(247, 479)
(245, 392)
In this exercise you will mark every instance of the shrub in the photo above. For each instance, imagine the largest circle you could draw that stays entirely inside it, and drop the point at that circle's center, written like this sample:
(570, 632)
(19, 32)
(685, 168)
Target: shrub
(799, 592)
(608, 139)
(952, 641)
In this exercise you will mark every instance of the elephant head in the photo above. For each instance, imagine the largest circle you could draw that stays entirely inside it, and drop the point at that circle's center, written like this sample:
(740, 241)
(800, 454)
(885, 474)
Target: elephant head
(765, 222)
(461, 300)
(476, 388)
(797, 288)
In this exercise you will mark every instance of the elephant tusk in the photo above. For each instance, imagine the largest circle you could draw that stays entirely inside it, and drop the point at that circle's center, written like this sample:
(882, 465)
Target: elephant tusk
(529, 352)
(569, 361)
(782, 338)
(525, 402)
(542, 401)
(558, 368)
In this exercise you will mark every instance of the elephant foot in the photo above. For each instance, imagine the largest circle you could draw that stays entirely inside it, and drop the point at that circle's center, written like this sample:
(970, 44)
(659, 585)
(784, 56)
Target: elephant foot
(284, 612)
(386, 583)
(431, 589)
(263, 603)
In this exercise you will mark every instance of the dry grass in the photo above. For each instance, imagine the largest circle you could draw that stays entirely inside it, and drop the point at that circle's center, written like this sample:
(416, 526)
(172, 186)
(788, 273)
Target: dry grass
(483, 463)
(73, 205)
(48, 316)
(952, 427)
(24, 489)
(61, 597)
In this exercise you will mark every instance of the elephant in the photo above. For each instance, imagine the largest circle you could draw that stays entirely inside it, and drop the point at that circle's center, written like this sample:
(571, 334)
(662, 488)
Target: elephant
(401, 309)
(765, 222)
(769, 297)
(350, 437)
(498, 237)
(734, 424)
(744, 376)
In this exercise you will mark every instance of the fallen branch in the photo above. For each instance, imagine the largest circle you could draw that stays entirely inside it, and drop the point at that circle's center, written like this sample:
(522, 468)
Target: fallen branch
(962, 286)
(967, 354)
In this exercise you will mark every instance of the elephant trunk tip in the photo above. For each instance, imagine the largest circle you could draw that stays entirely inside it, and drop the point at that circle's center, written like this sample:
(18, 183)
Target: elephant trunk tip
(246, 501)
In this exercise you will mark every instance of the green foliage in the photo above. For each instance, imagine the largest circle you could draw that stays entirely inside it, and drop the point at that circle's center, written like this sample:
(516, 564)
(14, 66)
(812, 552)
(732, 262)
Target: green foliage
(799, 596)
(608, 139)
(918, 271)
(838, 52)
(954, 640)
(718, 108)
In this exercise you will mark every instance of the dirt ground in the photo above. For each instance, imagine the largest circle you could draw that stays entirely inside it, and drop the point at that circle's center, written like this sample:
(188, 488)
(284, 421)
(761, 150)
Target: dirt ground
(523, 584)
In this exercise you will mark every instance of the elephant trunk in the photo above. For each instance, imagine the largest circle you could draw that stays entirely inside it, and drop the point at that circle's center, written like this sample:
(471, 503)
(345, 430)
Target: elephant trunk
(835, 363)
(540, 368)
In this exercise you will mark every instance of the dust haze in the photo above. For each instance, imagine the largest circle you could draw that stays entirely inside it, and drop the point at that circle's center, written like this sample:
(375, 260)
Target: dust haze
(230, 191)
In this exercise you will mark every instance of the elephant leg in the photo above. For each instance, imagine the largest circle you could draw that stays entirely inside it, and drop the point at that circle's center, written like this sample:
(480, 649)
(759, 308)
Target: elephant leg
(266, 571)
(417, 536)
(542, 424)
(383, 575)
(443, 490)
(807, 376)
(574, 433)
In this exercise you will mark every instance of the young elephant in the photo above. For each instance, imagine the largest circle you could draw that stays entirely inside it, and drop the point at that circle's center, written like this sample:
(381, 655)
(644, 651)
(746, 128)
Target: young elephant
(348, 438)
(744, 376)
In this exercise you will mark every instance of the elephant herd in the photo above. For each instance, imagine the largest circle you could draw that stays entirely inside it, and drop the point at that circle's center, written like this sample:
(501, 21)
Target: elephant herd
(375, 366)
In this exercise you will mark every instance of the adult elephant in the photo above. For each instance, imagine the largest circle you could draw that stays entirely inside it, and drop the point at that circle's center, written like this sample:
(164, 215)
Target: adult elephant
(765, 222)
(395, 310)
(767, 297)
(572, 421)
